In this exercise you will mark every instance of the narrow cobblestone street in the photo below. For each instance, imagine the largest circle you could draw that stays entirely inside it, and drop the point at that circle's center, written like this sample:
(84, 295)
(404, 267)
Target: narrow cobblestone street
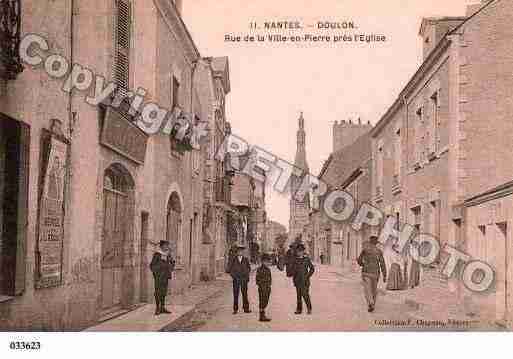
(338, 304)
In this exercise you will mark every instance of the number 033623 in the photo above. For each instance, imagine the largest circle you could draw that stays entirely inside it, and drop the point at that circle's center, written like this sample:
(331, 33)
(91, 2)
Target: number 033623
(24, 345)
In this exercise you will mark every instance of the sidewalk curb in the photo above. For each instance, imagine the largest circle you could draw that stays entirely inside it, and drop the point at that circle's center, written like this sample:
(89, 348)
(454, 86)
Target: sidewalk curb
(173, 325)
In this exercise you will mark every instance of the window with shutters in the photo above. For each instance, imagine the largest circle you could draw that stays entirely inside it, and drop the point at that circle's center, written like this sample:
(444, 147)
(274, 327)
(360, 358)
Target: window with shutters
(175, 95)
(397, 153)
(174, 226)
(396, 180)
(419, 137)
(196, 155)
(220, 237)
(348, 251)
(175, 102)
(355, 194)
(435, 135)
(417, 218)
(220, 182)
(380, 157)
(14, 155)
(123, 23)
(433, 218)
(10, 24)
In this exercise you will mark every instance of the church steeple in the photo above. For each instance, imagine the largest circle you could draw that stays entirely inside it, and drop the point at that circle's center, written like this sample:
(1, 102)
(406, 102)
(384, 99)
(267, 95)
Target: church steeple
(300, 160)
(299, 207)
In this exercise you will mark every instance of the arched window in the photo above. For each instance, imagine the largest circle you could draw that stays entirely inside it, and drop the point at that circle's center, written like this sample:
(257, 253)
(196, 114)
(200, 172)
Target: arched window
(174, 226)
(115, 180)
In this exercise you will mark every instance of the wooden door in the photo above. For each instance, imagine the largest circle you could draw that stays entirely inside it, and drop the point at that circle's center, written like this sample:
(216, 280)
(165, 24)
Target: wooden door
(114, 232)
(174, 226)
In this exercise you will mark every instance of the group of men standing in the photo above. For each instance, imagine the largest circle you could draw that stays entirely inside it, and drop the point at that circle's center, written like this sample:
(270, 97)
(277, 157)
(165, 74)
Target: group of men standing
(296, 263)
(298, 266)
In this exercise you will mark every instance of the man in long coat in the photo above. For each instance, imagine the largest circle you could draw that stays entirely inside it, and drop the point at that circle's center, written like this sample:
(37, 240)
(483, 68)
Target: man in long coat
(162, 265)
(303, 269)
(239, 269)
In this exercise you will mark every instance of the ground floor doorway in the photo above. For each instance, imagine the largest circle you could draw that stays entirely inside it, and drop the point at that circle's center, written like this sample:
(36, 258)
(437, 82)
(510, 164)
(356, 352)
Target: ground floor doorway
(117, 224)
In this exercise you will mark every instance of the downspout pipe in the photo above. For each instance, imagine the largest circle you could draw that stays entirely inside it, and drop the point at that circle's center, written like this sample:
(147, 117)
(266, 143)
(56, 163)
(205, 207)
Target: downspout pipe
(193, 197)
(71, 124)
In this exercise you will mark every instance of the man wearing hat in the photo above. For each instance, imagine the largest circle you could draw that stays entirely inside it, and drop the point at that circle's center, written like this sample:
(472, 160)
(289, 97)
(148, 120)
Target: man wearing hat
(290, 257)
(372, 262)
(303, 270)
(162, 264)
(239, 269)
(264, 281)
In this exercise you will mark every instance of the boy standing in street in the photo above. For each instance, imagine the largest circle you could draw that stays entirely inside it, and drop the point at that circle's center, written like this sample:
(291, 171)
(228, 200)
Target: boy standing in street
(372, 262)
(264, 281)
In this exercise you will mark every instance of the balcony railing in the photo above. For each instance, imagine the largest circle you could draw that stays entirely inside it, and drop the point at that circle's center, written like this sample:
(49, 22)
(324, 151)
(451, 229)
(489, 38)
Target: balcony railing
(10, 20)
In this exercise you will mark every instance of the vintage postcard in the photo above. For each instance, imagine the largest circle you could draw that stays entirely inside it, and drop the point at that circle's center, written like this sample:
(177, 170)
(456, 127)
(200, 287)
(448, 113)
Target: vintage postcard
(255, 166)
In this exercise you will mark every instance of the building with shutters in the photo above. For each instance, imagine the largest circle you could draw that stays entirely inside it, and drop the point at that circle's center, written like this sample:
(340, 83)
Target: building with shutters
(213, 79)
(243, 223)
(442, 151)
(259, 218)
(85, 194)
(347, 169)
(36, 148)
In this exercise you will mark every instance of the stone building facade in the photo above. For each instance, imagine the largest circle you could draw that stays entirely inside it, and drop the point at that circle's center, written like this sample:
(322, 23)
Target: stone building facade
(246, 226)
(348, 169)
(441, 152)
(22, 127)
(349, 161)
(213, 87)
(485, 172)
(259, 216)
(273, 231)
(90, 193)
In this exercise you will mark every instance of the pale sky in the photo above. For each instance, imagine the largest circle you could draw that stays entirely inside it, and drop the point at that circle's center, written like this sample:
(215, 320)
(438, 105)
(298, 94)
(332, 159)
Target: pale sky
(272, 83)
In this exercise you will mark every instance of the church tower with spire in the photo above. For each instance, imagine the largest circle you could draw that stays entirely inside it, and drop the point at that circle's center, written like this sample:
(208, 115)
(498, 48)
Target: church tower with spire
(299, 207)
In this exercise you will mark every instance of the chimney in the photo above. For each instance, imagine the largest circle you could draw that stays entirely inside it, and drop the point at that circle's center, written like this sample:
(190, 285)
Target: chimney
(433, 29)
